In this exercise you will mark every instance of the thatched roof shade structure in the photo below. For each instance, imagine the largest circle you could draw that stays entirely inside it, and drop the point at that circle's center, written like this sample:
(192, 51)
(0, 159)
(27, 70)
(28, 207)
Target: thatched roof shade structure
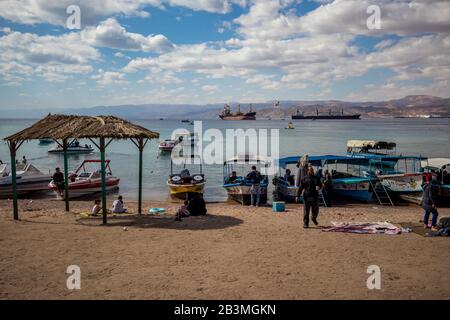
(62, 127)
(65, 127)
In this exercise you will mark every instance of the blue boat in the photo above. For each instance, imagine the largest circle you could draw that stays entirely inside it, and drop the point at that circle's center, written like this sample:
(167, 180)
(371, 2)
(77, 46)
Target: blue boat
(440, 168)
(346, 180)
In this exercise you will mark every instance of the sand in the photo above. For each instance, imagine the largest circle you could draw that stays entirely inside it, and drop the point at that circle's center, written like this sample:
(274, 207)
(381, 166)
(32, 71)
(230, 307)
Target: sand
(234, 252)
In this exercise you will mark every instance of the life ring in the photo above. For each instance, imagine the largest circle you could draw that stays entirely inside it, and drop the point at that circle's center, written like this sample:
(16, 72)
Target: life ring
(157, 210)
(198, 178)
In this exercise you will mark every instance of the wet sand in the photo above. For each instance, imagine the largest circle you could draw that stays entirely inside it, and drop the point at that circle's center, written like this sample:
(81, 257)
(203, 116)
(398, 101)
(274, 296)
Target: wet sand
(234, 252)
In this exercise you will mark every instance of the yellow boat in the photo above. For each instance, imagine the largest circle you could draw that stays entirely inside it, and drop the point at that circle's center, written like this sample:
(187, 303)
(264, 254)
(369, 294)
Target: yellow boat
(182, 185)
(290, 125)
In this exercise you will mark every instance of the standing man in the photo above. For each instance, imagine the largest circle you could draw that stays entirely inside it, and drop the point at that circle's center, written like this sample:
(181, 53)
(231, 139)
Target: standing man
(302, 172)
(255, 192)
(429, 203)
(58, 180)
(327, 190)
(311, 186)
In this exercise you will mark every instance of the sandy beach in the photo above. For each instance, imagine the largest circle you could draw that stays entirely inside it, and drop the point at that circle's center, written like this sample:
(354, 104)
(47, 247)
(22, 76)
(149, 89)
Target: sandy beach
(234, 252)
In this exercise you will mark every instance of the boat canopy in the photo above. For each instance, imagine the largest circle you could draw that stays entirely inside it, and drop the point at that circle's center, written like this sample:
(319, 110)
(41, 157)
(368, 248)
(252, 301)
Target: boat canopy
(437, 163)
(320, 160)
(93, 161)
(247, 158)
(371, 144)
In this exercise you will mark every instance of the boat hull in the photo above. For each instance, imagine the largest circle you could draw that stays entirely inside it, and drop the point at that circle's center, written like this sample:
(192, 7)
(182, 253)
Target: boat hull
(286, 192)
(183, 191)
(246, 116)
(410, 183)
(24, 187)
(242, 194)
(353, 188)
(82, 188)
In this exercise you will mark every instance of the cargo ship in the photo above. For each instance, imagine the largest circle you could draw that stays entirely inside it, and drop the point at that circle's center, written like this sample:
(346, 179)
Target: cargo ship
(329, 116)
(228, 115)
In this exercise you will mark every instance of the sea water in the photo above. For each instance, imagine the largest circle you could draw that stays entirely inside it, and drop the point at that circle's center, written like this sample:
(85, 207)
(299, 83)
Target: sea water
(426, 137)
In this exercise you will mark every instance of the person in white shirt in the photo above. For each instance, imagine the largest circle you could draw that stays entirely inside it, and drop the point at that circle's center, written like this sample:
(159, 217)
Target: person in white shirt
(118, 206)
(96, 208)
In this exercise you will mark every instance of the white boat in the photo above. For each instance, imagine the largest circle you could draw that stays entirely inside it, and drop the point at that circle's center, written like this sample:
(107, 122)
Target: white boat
(405, 180)
(28, 179)
(238, 189)
(73, 148)
(167, 145)
(84, 182)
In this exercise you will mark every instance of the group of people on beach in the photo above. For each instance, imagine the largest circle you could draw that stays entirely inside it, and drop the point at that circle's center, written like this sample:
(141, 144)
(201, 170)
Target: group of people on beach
(118, 206)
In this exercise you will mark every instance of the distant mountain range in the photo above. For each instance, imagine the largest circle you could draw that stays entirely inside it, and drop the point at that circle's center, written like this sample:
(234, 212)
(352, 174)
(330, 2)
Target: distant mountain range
(410, 106)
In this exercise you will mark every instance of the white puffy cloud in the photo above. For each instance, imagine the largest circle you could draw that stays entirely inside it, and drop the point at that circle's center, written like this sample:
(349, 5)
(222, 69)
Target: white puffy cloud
(93, 11)
(53, 57)
(111, 34)
(400, 17)
(105, 78)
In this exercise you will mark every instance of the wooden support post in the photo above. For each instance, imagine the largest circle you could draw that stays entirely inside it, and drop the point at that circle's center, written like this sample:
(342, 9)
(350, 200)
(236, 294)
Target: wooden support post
(103, 169)
(66, 175)
(141, 150)
(12, 150)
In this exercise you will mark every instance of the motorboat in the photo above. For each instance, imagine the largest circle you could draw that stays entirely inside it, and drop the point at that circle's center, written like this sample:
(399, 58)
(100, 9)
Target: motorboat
(73, 148)
(183, 184)
(167, 145)
(28, 180)
(290, 125)
(85, 181)
(404, 179)
(347, 179)
(239, 187)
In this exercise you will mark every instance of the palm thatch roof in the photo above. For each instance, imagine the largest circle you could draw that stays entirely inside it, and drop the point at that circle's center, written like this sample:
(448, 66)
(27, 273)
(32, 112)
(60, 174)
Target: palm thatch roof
(79, 127)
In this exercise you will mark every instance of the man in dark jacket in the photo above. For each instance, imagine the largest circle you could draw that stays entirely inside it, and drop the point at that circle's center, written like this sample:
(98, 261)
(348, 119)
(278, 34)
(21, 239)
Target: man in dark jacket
(310, 185)
(255, 191)
(429, 203)
(58, 180)
(197, 205)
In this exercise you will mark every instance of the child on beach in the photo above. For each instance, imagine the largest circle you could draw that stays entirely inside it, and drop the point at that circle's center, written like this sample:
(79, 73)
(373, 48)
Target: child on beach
(96, 208)
(183, 211)
(118, 206)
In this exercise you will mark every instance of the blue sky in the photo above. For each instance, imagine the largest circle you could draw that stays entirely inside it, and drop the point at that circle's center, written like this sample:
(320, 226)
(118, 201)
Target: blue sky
(218, 51)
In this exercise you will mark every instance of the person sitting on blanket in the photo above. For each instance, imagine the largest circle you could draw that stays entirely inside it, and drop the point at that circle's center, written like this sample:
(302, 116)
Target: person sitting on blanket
(118, 206)
(183, 211)
(96, 208)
